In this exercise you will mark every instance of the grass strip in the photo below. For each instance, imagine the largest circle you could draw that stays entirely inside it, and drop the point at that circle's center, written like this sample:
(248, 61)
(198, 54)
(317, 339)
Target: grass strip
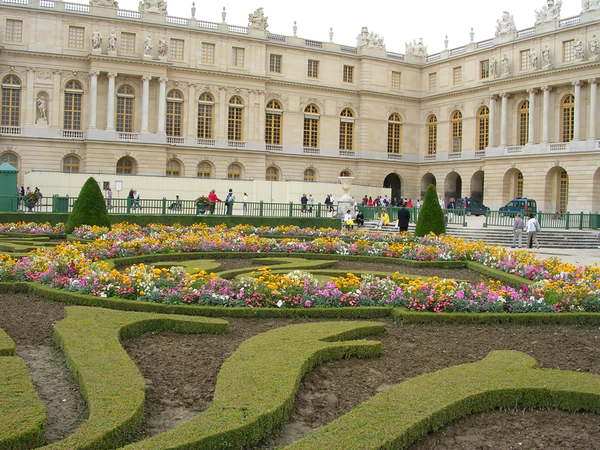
(280, 264)
(257, 385)
(110, 382)
(406, 412)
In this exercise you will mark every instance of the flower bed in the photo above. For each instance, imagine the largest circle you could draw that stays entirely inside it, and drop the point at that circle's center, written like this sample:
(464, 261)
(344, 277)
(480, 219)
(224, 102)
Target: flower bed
(79, 266)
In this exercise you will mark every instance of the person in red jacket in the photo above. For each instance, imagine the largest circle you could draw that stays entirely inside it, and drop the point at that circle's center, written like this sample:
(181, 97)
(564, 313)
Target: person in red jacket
(212, 200)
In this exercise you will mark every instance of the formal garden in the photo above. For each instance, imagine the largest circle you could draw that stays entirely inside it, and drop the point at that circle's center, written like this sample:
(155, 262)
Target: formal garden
(215, 336)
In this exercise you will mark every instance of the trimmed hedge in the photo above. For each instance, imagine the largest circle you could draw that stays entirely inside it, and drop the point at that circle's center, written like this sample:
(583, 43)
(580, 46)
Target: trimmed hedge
(110, 382)
(506, 278)
(89, 208)
(22, 414)
(248, 407)
(431, 217)
(277, 265)
(406, 412)
(143, 219)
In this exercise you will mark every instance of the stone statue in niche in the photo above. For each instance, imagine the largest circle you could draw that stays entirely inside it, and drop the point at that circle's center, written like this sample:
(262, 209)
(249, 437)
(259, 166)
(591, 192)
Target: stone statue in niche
(548, 13)
(369, 40)
(579, 50)
(96, 40)
(505, 25)
(112, 42)
(533, 59)
(148, 46)
(153, 6)
(494, 68)
(505, 64)
(163, 48)
(546, 58)
(594, 46)
(257, 20)
(41, 109)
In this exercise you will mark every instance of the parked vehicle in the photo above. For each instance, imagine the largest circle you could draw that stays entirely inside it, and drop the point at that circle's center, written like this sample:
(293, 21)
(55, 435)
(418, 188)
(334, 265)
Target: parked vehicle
(477, 209)
(519, 206)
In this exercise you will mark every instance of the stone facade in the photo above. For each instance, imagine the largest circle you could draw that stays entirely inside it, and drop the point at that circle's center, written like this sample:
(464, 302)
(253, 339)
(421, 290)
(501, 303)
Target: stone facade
(377, 112)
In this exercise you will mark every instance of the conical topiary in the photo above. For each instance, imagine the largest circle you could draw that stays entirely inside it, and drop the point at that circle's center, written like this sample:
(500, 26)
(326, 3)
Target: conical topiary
(431, 216)
(89, 209)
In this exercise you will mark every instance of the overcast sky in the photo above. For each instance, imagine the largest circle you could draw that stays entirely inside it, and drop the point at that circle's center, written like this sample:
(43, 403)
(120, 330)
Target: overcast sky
(397, 21)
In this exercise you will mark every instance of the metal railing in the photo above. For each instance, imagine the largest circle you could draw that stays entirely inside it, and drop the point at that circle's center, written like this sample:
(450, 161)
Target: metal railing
(558, 221)
(451, 216)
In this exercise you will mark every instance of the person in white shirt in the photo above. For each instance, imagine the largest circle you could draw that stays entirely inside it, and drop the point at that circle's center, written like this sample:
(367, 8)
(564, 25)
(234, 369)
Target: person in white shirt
(532, 227)
(245, 203)
(348, 220)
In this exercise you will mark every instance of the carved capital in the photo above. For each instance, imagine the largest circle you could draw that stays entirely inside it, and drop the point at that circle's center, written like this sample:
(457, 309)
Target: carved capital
(112, 75)
(531, 91)
(547, 88)
(163, 79)
(505, 95)
(146, 78)
(94, 73)
(578, 83)
(593, 81)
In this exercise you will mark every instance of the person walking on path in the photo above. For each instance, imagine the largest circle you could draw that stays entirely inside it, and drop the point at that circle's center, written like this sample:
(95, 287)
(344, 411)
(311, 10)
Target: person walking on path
(403, 219)
(532, 227)
(518, 226)
(212, 201)
(311, 202)
(109, 198)
(245, 203)
(304, 202)
(229, 202)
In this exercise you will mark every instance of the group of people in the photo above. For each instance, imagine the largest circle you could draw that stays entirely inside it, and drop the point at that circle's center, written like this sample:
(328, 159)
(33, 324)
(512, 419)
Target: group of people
(385, 201)
(384, 219)
(27, 197)
(213, 198)
(307, 203)
(531, 227)
(134, 197)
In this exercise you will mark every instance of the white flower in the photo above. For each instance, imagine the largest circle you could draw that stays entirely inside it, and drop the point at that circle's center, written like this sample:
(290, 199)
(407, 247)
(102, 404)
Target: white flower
(279, 303)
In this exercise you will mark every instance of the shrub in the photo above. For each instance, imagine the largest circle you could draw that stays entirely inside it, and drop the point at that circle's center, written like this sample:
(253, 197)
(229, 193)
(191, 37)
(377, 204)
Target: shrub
(89, 208)
(431, 216)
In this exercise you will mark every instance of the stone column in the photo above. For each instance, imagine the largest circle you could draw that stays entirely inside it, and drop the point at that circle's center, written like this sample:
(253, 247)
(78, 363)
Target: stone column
(593, 108)
(145, 101)
(504, 120)
(162, 106)
(54, 119)
(546, 115)
(577, 113)
(192, 120)
(110, 102)
(531, 124)
(492, 128)
(223, 109)
(30, 98)
(93, 99)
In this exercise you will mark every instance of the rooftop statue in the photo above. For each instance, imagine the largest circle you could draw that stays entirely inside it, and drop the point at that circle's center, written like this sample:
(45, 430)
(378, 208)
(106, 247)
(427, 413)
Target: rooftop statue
(153, 6)
(369, 40)
(548, 13)
(505, 25)
(104, 3)
(257, 20)
(416, 48)
(590, 5)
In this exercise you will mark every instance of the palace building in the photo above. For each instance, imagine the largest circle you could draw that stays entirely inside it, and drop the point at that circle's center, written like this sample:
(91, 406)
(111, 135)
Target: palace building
(173, 105)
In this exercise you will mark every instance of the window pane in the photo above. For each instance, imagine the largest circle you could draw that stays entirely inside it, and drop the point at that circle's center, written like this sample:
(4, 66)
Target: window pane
(76, 37)
(208, 53)
(14, 30)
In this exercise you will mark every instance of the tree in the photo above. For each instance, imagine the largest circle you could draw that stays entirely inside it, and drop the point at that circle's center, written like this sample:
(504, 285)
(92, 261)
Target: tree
(431, 217)
(89, 209)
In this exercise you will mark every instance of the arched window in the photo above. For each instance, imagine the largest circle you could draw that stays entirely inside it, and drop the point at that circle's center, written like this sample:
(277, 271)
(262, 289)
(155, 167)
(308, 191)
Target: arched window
(563, 192)
(10, 158)
(345, 173)
(311, 126)
(395, 133)
(483, 128)
(567, 118)
(125, 100)
(174, 113)
(234, 125)
(206, 105)
(71, 164)
(310, 175)
(523, 122)
(456, 130)
(204, 169)
(272, 174)
(234, 171)
(126, 166)
(72, 112)
(432, 135)
(273, 123)
(173, 168)
(11, 101)
(346, 129)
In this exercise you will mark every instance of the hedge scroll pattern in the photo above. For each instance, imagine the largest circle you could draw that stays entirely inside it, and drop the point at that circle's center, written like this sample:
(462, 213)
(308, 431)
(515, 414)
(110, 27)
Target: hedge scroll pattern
(504, 379)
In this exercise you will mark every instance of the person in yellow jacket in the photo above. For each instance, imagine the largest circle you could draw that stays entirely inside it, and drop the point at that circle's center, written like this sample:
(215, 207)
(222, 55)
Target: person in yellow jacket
(384, 219)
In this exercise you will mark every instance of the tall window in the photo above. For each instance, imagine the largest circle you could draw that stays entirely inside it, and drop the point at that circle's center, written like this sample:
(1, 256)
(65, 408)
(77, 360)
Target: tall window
(310, 175)
(76, 37)
(274, 63)
(128, 43)
(433, 81)
(72, 113)
(432, 135)
(13, 31)
(204, 169)
(348, 75)
(71, 164)
(457, 75)
(563, 191)
(568, 50)
(273, 123)
(238, 56)
(125, 166)
(346, 129)
(311, 126)
(483, 127)
(272, 174)
(394, 133)
(345, 173)
(11, 101)
(484, 69)
(524, 122)
(234, 171)
(173, 168)
(456, 129)
(313, 68)
(519, 192)
(174, 112)
(567, 118)
(524, 60)
(235, 118)
(207, 55)
(396, 80)
(176, 47)
(125, 99)
(206, 104)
